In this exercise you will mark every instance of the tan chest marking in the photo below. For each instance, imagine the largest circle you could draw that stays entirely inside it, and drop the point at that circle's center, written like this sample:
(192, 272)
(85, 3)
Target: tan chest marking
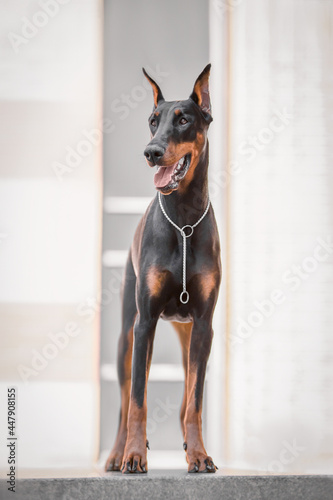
(155, 281)
(207, 284)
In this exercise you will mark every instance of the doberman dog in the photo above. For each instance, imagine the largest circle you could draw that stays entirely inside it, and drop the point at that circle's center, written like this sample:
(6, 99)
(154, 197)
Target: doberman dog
(154, 271)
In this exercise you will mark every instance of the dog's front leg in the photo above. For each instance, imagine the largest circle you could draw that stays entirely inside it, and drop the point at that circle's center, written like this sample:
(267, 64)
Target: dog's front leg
(201, 339)
(135, 453)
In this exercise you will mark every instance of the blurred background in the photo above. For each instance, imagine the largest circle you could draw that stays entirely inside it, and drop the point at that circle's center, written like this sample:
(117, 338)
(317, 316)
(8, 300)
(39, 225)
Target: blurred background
(74, 184)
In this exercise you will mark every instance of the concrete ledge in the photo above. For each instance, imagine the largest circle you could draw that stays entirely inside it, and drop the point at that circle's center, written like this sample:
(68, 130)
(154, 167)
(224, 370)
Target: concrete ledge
(172, 485)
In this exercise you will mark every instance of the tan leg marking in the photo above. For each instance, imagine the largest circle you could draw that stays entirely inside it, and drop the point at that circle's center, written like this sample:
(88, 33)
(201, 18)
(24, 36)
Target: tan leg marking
(184, 333)
(135, 453)
(196, 454)
(115, 458)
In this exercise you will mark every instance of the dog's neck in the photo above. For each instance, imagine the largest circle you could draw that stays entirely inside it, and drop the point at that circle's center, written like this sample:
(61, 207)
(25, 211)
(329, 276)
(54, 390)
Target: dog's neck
(185, 206)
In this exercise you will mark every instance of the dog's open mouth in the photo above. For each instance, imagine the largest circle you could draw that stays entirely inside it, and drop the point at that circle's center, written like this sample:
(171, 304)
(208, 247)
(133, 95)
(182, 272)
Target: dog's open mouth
(167, 179)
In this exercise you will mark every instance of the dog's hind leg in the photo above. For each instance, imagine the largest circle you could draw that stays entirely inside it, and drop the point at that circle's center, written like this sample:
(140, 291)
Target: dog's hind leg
(184, 333)
(124, 363)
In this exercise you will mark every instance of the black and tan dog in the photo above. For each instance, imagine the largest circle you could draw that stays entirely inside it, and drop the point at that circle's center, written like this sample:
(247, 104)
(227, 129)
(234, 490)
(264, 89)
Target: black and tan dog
(154, 272)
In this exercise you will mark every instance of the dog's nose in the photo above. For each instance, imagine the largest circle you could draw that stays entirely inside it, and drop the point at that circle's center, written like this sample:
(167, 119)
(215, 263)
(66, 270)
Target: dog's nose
(154, 153)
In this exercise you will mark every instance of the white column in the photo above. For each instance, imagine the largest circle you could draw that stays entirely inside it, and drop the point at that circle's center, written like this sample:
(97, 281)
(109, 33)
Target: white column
(50, 225)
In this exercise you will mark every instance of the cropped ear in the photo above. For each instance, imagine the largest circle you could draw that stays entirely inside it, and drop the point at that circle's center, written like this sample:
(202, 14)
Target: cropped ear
(158, 97)
(200, 94)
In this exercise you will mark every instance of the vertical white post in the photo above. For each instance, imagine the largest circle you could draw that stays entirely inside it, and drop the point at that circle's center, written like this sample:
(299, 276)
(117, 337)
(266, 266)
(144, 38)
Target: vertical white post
(217, 386)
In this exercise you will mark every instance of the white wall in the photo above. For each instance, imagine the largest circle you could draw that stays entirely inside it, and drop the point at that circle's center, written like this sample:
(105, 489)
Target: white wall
(50, 99)
(279, 314)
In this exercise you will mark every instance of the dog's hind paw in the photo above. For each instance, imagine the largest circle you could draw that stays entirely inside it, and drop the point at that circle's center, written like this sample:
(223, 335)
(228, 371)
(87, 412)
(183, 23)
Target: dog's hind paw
(114, 462)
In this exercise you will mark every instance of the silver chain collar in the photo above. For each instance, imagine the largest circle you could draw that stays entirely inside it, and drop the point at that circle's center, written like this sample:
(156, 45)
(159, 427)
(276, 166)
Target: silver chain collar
(184, 296)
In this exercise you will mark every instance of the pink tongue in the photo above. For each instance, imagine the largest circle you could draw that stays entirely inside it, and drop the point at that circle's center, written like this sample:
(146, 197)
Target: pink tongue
(163, 176)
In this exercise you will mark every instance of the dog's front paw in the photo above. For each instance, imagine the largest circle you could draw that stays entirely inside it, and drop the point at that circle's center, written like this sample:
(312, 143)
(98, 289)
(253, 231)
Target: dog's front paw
(134, 461)
(199, 462)
(135, 456)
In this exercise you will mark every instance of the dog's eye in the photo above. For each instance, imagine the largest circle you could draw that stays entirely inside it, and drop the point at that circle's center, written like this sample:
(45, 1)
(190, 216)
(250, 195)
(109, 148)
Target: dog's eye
(183, 121)
(153, 122)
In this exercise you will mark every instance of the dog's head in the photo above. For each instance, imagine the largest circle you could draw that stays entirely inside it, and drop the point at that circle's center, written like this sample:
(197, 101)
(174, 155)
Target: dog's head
(179, 134)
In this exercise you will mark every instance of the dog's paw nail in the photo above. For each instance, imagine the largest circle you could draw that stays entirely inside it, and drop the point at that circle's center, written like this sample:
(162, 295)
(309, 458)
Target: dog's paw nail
(195, 468)
(147, 444)
(185, 446)
(143, 468)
